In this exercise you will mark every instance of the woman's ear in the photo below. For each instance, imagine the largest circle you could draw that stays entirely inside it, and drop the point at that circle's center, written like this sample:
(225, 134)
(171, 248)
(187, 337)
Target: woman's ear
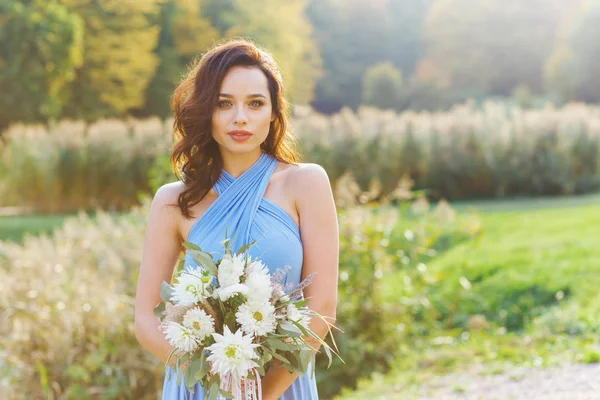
(273, 116)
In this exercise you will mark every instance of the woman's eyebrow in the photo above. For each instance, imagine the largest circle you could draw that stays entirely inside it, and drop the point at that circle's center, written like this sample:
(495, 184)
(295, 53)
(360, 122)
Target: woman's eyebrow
(249, 96)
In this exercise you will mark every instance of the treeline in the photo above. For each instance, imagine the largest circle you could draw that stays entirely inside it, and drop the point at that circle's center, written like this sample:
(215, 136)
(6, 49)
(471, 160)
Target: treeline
(83, 59)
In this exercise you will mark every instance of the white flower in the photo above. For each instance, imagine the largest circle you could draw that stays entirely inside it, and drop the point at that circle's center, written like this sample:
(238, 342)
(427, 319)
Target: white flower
(298, 315)
(180, 336)
(199, 322)
(230, 269)
(191, 287)
(256, 319)
(258, 281)
(232, 354)
(283, 297)
(230, 291)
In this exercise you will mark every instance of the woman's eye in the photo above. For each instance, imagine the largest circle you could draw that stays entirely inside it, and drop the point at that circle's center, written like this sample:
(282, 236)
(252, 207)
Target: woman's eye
(224, 103)
(256, 103)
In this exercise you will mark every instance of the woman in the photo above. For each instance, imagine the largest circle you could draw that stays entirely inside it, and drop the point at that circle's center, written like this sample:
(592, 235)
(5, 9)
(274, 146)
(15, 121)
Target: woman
(240, 173)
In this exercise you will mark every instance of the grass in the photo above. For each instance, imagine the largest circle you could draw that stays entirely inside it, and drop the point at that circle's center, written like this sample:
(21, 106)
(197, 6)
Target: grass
(533, 274)
(15, 227)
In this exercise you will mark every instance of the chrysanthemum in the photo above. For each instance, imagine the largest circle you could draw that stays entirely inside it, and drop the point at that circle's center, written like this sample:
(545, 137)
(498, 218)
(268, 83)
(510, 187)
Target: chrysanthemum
(298, 315)
(230, 291)
(232, 354)
(258, 281)
(230, 269)
(201, 324)
(191, 287)
(180, 337)
(256, 319)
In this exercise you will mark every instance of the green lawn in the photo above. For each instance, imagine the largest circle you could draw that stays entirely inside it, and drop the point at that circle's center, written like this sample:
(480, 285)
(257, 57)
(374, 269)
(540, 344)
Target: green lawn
(535, 271)
(14, 227)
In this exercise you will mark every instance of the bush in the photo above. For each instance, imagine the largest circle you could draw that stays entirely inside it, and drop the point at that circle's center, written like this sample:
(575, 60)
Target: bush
(77, 167)
(383, 278)
(67, 301)
(67, 306)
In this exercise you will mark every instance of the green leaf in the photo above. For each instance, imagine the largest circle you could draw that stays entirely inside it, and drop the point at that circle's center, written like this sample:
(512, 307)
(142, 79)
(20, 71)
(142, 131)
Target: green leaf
(301, 327)
(166, 291)
(279, 357)
(191, 246)
(159, 309)
(230, 321)
(226, 394)
(214, 387)
(246, 247)
(301, 303)
(289, 329)
(205, 260)
(306, 357)
(279, 345)
(204, 367)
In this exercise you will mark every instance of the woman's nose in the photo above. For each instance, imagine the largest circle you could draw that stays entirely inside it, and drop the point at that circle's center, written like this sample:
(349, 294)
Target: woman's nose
(240, 116)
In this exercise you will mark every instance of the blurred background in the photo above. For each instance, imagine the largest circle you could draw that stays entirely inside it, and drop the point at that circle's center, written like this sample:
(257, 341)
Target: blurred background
(461, 138)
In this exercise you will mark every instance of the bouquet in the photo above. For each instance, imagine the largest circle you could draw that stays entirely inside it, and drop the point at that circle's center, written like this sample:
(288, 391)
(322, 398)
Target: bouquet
(229, 319)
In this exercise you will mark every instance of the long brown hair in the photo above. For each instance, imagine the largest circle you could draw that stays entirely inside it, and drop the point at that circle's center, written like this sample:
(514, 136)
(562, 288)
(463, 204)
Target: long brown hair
(196, 158)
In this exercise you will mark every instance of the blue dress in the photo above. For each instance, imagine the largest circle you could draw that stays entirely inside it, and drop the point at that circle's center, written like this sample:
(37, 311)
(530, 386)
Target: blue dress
(241, 208)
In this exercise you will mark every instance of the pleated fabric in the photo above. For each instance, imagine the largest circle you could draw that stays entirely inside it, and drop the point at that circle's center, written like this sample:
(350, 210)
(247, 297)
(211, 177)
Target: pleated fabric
(241, 212)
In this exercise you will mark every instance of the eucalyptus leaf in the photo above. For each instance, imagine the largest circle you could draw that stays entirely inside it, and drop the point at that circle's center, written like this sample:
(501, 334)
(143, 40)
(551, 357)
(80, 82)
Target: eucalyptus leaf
(226, 394)
(191, 246)
(159, 309)
(279, 345)
(306, 356)
(279, 357)
(166, 291)
(289, 329)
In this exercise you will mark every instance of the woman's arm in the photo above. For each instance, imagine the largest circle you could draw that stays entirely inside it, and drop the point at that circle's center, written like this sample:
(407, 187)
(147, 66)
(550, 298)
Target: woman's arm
(319, 233)
(162, 245)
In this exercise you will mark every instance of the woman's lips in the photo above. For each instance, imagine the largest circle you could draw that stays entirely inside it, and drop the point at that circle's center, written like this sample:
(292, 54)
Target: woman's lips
(240, 136)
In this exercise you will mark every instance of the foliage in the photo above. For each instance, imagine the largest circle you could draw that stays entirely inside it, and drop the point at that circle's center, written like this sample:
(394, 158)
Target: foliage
(284, 30)
(472, 151)
(376, 246)
(184, 33)
(382, 86)
(67, 306)
(118, 61)
(77, 167)
(523, 294)
(571, 68)
(68, 300)
(40, 48)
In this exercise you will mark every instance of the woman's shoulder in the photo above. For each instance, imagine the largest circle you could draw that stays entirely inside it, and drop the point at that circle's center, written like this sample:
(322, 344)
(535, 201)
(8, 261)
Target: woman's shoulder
(307, 179)
(168, 194)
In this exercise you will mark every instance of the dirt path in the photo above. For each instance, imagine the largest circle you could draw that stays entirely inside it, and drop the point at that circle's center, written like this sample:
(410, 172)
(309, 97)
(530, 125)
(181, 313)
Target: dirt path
(569, 382)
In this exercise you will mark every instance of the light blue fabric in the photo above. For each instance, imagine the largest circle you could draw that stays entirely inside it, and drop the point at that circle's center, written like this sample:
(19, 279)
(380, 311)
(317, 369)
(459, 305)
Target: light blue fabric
(241, 208)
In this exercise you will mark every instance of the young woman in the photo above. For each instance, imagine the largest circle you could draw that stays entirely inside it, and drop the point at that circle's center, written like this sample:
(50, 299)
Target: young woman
(240, 171)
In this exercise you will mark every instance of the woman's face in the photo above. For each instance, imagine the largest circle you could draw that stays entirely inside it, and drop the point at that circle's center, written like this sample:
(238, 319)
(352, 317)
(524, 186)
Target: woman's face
(242, 117)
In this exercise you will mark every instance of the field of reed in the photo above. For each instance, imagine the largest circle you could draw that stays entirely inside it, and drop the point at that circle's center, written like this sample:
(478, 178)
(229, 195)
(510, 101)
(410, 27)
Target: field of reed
(488, 151)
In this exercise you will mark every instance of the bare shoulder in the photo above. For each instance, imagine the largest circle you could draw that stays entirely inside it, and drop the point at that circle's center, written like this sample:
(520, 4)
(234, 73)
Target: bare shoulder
(164, 209)
(169, 193)
(308, 180)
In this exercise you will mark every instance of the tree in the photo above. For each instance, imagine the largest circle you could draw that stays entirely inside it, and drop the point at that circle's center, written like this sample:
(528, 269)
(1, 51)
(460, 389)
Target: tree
(571, 70)
(118, 58)
(382, 86)
(282, 28)
(184, 34)
(40, 48)
(491, 46)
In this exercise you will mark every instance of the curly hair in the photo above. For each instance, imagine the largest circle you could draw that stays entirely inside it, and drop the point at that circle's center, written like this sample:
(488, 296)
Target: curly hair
(195, 158)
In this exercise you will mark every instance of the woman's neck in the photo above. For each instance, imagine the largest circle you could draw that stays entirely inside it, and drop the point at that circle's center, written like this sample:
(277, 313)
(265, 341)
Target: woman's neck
(236, 164)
